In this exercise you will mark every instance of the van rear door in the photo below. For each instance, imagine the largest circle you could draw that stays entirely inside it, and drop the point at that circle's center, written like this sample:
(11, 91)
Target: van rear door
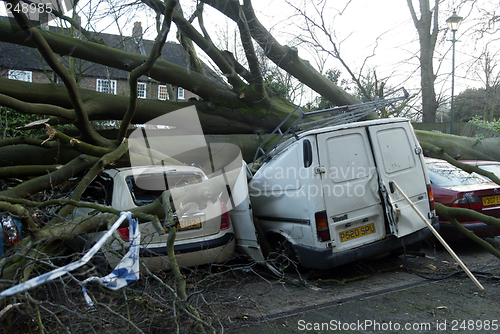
(397, 155)
(350, 187)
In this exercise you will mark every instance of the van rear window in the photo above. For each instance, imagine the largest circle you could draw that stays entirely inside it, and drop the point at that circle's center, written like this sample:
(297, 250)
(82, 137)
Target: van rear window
(397, 153)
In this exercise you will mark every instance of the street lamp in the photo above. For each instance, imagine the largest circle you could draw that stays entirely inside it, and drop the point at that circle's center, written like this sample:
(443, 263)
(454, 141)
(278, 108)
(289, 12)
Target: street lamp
(453, 23)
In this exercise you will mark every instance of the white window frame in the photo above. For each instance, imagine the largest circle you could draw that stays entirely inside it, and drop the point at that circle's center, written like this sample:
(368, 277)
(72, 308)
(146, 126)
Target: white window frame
(160, 93)
(141, 90)
(101, 83)
(180, 93)
(26, 76)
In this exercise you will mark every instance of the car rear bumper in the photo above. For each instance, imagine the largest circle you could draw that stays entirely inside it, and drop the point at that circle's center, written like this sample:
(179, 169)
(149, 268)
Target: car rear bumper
(215, 250)
(325, 259)
(188, 247)
(449, 232)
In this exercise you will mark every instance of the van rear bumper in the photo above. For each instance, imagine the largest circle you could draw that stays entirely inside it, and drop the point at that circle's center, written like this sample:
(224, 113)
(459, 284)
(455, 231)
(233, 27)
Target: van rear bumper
(325, 259)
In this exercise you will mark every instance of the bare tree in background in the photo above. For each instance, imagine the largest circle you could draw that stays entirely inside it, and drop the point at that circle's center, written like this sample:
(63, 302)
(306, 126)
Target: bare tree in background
(427, 28)
(34, 169)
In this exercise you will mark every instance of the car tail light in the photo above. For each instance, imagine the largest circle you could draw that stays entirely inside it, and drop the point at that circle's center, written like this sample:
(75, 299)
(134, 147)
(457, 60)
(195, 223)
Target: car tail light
(11, 230)
(224, 217)
(431, 197)
(124, 233)
(322, 226)
(468, 202)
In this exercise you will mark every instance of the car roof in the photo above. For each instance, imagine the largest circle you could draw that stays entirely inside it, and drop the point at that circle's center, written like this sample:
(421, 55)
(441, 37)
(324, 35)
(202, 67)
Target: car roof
(153, 169)
(353, 125)
(434, 160)
(480, 162)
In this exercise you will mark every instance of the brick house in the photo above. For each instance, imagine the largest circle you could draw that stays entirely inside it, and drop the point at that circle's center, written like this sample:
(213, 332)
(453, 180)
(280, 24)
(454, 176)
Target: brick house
(26, 64)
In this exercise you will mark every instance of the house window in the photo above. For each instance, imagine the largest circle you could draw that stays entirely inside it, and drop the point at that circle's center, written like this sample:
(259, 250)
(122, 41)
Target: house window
(106, 86)
(180, 93)
(20, 75)
(162, 92)
(141, 90)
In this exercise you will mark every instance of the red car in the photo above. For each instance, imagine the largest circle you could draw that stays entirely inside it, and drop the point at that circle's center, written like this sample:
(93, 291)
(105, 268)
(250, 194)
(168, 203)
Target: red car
(456, 188)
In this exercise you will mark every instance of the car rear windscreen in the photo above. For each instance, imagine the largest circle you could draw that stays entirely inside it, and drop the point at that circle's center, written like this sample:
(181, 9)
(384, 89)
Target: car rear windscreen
(146, 188)
(443, 174)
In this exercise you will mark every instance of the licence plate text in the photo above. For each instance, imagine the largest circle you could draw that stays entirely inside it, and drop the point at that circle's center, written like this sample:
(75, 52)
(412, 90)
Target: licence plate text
(187, 224)
(357, 232)
(491, 200)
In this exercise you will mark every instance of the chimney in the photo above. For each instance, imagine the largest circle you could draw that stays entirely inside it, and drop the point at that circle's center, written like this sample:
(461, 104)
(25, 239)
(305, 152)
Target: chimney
(44, 20)
(137, 31)
(77, 32)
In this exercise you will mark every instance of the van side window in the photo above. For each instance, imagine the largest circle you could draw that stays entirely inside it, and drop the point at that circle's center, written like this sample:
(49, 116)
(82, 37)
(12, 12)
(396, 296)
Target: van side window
(307, 153)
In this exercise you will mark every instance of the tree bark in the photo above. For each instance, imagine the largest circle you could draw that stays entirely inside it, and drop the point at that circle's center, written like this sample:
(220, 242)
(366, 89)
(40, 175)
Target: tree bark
(427, 28)
(463, 148)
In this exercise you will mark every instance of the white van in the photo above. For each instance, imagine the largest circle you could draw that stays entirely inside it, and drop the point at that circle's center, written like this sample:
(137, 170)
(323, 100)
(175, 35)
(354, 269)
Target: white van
(327, 194)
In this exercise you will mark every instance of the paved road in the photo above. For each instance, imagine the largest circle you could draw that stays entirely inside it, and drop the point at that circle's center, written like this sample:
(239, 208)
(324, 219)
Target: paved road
(389, 299)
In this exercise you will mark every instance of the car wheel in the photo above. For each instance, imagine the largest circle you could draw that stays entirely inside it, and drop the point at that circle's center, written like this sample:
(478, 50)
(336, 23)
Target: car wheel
(283, 253)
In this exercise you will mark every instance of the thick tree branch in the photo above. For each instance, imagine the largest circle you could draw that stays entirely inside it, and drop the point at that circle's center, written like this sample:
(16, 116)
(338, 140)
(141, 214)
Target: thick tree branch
(82, 121)
(145, 68)
(36, 109)
(252, 59)
(466, 167)
(76, 144)
(51, 180)
(71, 21)
(89, 177)
(464, 148)
(210, 49)
(435, 28)
(162, 71)
(215, 118)
(188, 46)
(25, 171)
(28, 141)
(451, 214)
(284, 56)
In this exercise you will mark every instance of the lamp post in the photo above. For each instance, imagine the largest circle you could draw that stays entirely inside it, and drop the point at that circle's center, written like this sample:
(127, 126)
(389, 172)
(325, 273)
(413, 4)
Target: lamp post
(453, 23)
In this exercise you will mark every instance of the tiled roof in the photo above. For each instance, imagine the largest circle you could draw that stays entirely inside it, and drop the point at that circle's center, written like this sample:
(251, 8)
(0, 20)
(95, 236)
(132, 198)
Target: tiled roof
(13, 56)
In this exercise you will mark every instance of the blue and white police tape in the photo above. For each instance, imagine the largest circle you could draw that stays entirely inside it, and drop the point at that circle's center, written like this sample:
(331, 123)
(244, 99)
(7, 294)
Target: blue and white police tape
(127, 271)
(131, 261)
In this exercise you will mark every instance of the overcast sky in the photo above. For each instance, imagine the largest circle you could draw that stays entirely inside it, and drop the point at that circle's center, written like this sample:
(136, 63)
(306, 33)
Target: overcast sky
(384, 31)
(374, 34)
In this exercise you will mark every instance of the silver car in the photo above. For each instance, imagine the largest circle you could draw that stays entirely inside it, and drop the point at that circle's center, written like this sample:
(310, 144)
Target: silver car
(205, 232)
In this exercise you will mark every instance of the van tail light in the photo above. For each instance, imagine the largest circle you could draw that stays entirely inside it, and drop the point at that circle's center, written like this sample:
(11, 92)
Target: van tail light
(124, 233)
(431, 197)
(322, 226)
(468, 202)
(224, 217)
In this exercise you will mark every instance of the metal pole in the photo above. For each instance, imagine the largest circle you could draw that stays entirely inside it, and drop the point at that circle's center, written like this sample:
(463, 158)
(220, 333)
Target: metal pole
(441, 240)
(452, 82)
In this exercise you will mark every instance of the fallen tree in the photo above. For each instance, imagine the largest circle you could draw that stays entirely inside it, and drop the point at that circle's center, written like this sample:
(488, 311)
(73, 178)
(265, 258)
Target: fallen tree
(38, 171)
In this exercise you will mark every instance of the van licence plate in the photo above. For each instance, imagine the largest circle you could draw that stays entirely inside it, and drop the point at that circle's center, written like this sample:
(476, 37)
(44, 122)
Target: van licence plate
(491, 200)
(357, 232)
